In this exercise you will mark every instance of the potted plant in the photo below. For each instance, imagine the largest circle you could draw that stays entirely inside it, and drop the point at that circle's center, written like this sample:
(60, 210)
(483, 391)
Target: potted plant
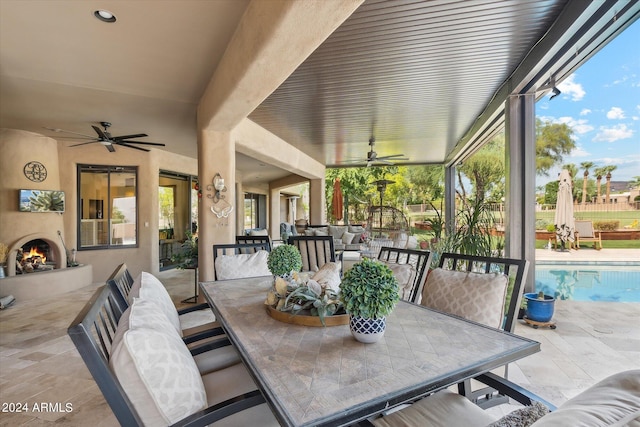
(369, 292)
(188, 257)
(284, 260)
(539, 306)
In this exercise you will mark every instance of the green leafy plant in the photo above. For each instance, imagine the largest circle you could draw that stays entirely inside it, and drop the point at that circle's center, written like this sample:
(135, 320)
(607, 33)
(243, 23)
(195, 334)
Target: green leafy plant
(369, 290)
(44, 201)
(283, 260)
(188, 256)
(298, 295)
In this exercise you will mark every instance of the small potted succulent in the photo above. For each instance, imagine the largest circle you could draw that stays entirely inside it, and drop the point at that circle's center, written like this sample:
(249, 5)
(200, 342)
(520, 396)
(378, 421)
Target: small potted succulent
(284, 260)
(369, 292)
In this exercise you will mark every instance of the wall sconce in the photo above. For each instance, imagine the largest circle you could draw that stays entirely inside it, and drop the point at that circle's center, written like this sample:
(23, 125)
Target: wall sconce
(218, 187)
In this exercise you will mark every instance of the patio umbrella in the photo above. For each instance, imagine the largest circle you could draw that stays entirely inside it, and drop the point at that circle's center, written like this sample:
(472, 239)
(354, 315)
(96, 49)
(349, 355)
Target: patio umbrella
(336, 202)
(564, 221)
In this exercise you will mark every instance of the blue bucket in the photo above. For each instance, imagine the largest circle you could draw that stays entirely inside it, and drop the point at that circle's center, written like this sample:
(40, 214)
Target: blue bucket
(539, 310)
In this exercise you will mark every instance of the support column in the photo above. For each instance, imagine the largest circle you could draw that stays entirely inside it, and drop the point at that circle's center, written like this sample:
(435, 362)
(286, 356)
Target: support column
(449, 197)
(520, 168)
(216, 154)
(317, 211)
(274, 213)
(239, 214)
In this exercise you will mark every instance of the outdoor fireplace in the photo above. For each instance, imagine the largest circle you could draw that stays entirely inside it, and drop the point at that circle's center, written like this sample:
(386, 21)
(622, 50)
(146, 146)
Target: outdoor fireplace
(35, 256)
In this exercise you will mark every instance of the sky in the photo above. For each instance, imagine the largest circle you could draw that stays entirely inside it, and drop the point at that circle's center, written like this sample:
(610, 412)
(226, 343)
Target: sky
(600, 101)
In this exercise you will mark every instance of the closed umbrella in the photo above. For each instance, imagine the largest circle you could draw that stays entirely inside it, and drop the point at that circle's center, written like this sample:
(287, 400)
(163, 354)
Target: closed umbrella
(336, 202)
(564, 221)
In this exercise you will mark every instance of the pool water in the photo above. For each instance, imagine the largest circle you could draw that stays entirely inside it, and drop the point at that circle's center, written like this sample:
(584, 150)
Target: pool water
(589, 282)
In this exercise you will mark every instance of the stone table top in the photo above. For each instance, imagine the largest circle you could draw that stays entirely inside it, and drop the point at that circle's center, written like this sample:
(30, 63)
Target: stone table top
(313, 376)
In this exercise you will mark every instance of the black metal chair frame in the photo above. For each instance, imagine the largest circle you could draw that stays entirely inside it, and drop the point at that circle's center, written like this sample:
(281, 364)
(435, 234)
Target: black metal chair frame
(487, 397)
(121, 282)
(254, 239)
(420, 260)
(92, 332)
(320, 245)
(238, 248)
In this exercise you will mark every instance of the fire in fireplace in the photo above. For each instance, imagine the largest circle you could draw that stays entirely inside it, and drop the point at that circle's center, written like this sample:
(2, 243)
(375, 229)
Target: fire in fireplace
(34, 256)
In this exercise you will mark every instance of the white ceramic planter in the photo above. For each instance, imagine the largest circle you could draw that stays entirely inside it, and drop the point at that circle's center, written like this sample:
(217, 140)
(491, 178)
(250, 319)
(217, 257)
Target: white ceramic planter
(367, 330)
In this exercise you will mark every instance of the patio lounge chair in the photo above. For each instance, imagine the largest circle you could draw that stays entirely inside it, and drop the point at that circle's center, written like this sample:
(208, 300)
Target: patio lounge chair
(240, 260)
(586, 233)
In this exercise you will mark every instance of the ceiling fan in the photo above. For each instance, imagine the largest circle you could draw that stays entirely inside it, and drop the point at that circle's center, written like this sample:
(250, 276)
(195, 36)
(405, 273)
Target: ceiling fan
(373, 158)
(105, 138)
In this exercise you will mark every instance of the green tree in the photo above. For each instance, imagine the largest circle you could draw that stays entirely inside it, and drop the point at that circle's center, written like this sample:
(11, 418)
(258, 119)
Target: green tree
(553, 140)
(635, 182)
(600, 172)
(608, 169)
(586, 166)
(485, 169)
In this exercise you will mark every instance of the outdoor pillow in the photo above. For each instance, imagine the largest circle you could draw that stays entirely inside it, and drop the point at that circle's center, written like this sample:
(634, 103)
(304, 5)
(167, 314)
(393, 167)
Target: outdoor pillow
(261, 232)
(405, 275)
(336, 231)
(347, 237)
(242, 265)
(475, 296)
(147, 286)
(329, 275)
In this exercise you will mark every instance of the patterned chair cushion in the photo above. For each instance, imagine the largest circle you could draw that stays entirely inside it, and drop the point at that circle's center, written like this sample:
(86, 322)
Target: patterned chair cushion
(329, 275)
(147, 286)
(405, 274)
(474, 296)
(158, 374)
(242, 265)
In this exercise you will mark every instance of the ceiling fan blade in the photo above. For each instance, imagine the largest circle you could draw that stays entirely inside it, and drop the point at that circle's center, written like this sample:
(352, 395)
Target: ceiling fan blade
(110, 147)
(140, 142)
(122, 137)
(68, 131)
(83, 143)
(124, 144)
(393, 156)
(100, 133)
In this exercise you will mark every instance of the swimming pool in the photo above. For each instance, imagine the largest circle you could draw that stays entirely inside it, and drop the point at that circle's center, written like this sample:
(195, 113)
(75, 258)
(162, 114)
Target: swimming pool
(589, 282)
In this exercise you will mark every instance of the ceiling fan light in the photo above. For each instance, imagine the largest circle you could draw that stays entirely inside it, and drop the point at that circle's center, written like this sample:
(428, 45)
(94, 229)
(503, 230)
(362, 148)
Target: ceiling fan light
(104, 15)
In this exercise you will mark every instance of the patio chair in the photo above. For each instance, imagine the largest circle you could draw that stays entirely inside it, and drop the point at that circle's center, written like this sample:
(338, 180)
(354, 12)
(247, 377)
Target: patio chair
(316, 251)
(613, 401)
(266, 240)
(487, 290)
(240, 260)
(586, 233)
(419, 261)
(229, 392)
(121, 283)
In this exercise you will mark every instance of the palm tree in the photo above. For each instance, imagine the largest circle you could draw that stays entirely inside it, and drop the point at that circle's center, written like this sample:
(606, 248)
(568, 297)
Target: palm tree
(608, 170)
(599, 173)
(586, 166)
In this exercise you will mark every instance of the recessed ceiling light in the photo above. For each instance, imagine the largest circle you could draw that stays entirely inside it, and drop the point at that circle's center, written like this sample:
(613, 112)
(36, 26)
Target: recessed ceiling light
(104, 15)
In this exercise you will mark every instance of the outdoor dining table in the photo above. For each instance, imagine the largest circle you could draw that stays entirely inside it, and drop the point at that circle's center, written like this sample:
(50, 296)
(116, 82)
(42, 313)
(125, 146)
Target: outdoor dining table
(322, 376)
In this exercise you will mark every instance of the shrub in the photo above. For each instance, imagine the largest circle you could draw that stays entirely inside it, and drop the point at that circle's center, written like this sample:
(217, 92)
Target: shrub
(606, 225)
(283, 260)
(369, 290)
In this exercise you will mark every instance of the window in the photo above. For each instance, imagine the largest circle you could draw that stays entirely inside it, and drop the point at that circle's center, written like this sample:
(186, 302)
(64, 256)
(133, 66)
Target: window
(107, 207)
(255, 211)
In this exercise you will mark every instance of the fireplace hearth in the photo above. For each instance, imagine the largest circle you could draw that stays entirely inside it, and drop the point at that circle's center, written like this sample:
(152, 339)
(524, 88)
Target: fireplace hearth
(35, 256)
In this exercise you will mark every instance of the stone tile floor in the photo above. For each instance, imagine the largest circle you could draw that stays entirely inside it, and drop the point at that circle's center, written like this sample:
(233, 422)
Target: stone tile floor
(41, 370)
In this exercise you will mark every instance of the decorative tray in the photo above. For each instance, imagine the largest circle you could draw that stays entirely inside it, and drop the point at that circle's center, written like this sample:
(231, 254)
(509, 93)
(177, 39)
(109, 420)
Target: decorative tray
(307, 320)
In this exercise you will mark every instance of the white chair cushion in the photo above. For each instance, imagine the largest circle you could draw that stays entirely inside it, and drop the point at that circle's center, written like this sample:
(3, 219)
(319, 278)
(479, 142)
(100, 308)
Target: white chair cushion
(474, 296)
(347, 237)
(242, 265)
(336, 231)
(405, 274)
(614, 401)
(329, 275)
(442, 409)
(159, 376)
(258, 232)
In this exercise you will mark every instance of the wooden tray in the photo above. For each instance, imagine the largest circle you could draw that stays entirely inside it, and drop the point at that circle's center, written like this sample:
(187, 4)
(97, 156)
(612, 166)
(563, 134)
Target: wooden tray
(306, 320)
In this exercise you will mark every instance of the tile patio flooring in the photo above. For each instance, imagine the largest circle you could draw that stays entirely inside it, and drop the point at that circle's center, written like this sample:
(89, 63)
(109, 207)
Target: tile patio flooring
(39, 364)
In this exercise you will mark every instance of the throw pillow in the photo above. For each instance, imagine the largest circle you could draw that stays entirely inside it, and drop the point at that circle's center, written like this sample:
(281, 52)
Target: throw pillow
(329, 275)
(347, 238)
(158, 374)
(336, 231)
(261, 232)
(475, 296)
(522, 417)
(151, 288)
(405, 275)
(242, 265)
(309, 232)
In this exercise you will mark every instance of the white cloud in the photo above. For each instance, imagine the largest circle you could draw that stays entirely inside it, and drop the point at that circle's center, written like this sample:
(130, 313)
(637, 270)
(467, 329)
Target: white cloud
(579, 151)
(579, 126)
(615, 113)
(613, 133)
(585, 111)
(570, 87)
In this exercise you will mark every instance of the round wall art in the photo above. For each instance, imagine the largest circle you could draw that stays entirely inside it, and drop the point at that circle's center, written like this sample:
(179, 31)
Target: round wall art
(35, 171)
